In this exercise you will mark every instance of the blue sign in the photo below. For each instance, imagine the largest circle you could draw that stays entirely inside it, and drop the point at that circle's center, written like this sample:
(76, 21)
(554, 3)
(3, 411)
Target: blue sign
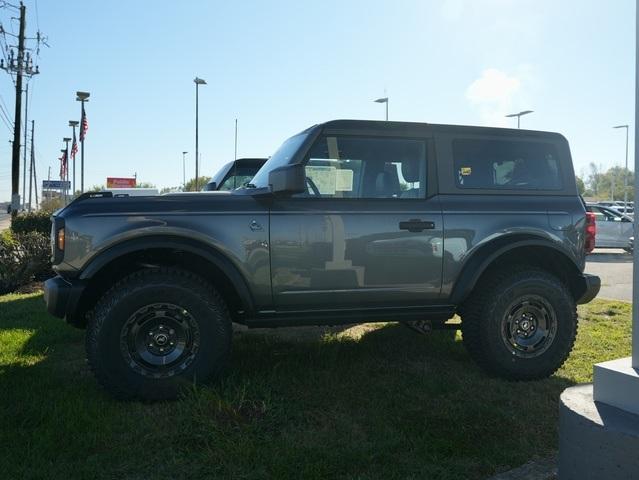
(56, 185)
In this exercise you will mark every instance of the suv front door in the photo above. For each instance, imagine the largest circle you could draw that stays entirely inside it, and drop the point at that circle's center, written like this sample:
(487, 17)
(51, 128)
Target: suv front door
(366, 233)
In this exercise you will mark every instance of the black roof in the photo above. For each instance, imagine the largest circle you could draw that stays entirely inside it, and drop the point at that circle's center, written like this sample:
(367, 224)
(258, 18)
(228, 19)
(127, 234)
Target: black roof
(385, 126)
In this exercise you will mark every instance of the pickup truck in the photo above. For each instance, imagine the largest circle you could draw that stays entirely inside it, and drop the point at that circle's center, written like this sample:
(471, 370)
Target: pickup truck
(348, 221)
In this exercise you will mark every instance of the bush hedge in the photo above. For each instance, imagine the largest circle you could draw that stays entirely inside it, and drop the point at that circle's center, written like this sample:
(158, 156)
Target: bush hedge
(32, 222)
(24, 258)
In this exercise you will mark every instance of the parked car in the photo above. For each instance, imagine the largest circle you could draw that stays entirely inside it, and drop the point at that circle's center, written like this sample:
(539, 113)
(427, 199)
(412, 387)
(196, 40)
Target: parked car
(348, 221)
(614, 229)
(235, 174)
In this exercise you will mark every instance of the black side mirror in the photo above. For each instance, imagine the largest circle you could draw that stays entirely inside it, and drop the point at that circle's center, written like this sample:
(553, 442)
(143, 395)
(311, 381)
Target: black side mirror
(209, 187)
(288, 179)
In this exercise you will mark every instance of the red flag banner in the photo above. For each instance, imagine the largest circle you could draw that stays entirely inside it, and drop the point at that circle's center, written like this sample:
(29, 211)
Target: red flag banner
(74, 147)
(84, 124)
(64, 170)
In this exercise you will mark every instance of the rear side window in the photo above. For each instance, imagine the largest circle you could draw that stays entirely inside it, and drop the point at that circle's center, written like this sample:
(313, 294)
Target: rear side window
(507, 165)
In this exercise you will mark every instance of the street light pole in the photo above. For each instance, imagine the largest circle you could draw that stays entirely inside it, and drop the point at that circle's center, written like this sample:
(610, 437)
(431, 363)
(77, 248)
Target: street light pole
(519, 115)
(184, 170)
(625, 173)
(383, 100)
(73, 124)
(82, 97)
(198, 82)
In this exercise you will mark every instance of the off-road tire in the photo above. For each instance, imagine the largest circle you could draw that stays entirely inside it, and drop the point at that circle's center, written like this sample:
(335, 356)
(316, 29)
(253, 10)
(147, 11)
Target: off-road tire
(207, 311)
(482, 323)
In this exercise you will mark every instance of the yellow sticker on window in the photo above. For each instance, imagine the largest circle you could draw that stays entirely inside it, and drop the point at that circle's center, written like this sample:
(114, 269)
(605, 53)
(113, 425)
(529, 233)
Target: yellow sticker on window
(466, 170)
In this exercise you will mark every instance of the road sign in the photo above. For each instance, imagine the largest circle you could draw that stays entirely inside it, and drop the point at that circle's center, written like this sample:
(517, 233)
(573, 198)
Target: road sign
(56, 185)
(116, 182)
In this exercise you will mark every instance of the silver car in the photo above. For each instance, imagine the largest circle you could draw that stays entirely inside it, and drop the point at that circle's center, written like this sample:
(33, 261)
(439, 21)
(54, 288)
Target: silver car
(614, 229)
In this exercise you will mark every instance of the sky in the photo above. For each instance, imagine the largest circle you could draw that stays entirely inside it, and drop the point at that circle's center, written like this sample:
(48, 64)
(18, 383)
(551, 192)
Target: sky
(282, 66)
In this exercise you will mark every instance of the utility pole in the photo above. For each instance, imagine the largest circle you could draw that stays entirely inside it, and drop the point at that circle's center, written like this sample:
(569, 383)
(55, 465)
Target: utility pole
(24, 151)
(21, 65)
(31, 168)
(33, 164)
(15, 158)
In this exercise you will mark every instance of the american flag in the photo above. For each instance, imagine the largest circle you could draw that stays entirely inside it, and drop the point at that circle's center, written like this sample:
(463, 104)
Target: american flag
(74, 146)
(84, 124)
(63, 166)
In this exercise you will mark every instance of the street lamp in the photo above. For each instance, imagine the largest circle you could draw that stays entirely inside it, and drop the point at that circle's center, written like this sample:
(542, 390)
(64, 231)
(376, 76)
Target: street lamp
(184, 170)
(519, 115)
(383, 100)
(198, 82)
(82, 97)
(625, 173)
(73, 124)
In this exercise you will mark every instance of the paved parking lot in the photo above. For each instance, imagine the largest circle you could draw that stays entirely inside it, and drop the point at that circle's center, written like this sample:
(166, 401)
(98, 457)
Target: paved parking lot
(614, 266)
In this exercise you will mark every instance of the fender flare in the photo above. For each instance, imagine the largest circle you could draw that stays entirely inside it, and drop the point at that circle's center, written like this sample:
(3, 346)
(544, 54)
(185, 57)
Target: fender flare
(206, 252)
(480, 261)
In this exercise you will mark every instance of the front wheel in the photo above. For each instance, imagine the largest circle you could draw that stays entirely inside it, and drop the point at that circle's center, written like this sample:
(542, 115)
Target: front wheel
(521, 325)
(156, 332)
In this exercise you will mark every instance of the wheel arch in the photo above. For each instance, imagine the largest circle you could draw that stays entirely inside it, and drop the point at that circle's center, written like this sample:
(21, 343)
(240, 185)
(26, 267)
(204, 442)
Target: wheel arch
(517, 249)
(123, 258)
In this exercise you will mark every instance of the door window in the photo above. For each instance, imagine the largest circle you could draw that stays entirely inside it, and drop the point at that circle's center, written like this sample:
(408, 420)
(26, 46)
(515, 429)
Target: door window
(360, 167)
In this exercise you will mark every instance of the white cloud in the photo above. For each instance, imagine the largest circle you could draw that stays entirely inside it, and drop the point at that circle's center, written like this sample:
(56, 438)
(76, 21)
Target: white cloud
(496, 93)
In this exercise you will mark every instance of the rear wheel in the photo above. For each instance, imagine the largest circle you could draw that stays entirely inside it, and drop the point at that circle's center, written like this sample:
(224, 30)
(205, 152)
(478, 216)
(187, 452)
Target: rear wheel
(521, 325)
(156, 332)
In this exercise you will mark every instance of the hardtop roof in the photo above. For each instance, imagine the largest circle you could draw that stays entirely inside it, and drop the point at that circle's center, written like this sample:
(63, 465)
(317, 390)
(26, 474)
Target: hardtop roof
(386, 126)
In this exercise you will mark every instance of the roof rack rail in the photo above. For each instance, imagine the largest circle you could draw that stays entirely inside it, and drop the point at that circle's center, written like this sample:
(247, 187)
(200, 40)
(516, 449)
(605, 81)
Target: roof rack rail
(88, 195)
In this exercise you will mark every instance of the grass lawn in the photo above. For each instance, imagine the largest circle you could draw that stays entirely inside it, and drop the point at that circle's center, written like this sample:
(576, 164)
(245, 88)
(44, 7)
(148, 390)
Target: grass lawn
(377, 402)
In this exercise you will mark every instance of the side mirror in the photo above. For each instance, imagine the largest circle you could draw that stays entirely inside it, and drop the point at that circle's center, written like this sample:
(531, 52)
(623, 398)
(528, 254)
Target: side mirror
(288, 179)
(209, 187)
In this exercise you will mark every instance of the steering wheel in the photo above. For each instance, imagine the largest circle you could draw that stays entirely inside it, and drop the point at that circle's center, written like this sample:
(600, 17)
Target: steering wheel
(314, 189)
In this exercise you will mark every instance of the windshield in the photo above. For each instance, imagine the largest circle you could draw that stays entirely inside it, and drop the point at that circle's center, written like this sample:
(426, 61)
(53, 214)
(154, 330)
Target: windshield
(280, 158)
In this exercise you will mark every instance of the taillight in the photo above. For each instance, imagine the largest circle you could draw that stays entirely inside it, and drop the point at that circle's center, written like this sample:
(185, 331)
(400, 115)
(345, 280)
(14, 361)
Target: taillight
(591, 232)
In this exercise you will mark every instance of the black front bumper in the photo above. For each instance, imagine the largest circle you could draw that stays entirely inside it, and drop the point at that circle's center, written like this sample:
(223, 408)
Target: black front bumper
(591, 286)
(62, 296)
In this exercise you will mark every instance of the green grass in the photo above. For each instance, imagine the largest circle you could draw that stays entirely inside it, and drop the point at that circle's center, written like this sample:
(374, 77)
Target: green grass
(379, 402)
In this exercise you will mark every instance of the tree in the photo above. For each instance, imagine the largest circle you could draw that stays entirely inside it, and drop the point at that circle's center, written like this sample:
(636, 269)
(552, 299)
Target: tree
(581, 186)
(603, 185)
(190, 185)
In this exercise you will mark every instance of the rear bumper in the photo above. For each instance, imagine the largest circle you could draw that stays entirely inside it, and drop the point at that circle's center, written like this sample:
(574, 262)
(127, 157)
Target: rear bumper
(591, 286)
(62, 296)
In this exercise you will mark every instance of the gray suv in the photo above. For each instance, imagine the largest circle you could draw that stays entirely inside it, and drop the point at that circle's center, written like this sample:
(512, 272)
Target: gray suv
(348, 221)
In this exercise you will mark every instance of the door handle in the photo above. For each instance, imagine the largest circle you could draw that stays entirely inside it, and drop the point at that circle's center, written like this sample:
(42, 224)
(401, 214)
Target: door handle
(416, 225)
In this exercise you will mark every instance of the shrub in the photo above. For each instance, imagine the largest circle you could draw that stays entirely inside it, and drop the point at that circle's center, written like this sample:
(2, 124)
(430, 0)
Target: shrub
(32, 222)
(24, 257)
